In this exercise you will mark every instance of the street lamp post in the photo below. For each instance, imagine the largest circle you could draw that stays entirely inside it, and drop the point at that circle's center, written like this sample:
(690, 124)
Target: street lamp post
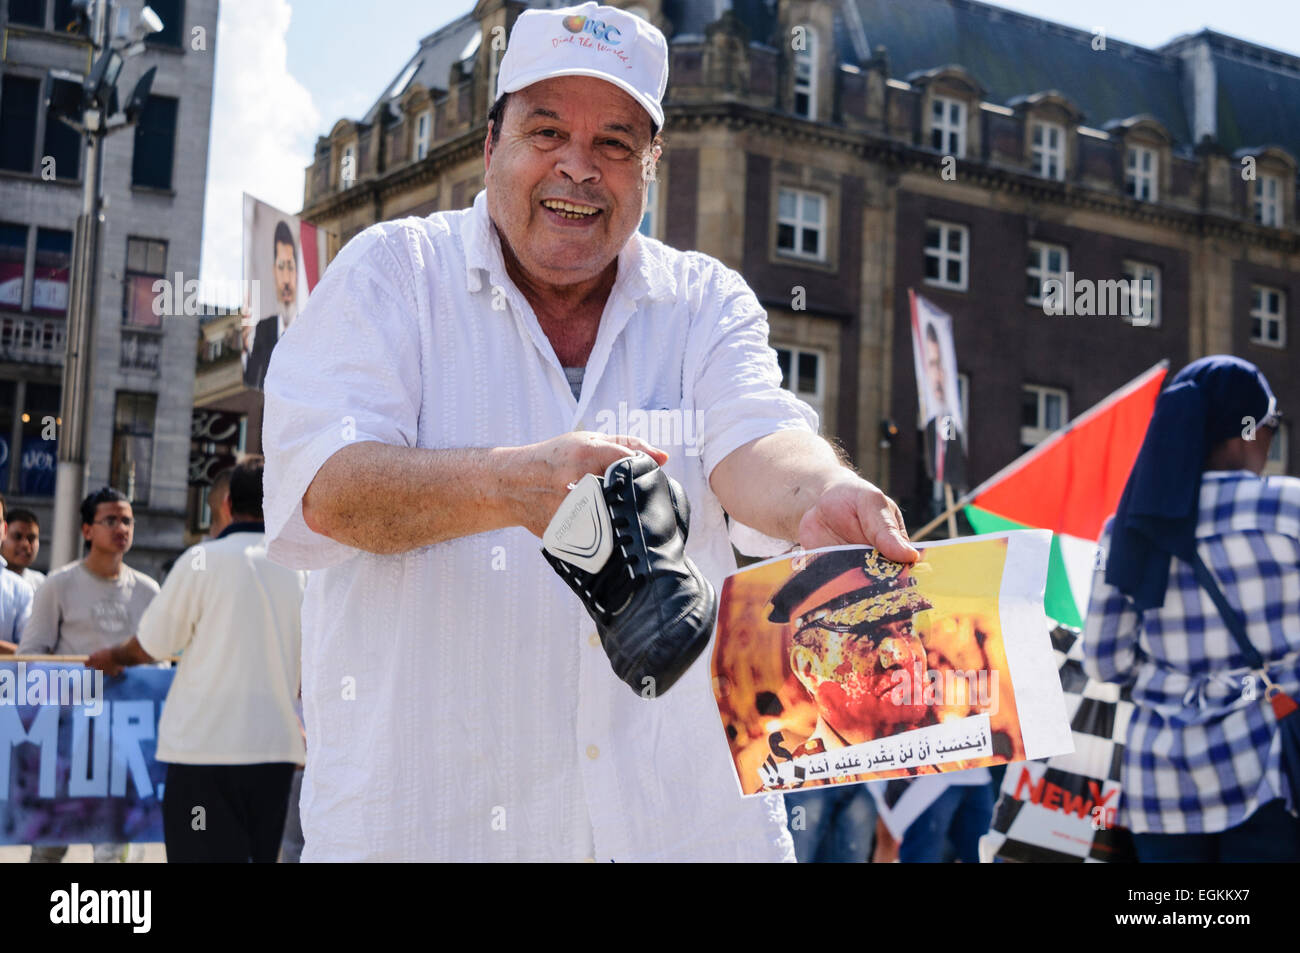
(93, 116)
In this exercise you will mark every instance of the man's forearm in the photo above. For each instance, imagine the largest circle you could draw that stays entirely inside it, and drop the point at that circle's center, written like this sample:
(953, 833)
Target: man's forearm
(386, 499)
(770, 483)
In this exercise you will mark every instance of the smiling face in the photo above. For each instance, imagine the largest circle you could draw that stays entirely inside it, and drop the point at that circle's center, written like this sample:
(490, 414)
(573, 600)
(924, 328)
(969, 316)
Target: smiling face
(567, 178)
(21, 544)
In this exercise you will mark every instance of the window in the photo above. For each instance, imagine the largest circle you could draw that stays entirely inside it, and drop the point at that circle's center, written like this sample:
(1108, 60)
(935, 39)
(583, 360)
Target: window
(963, 399)
(802, 375)
(133, 444)
(948, 126)
(155, 143)
(801, 224)
(39, 456)
(18, 105)
(423, 122)
(1268, 201)
(63, 144)
(1277, 452)
(1048, 139)
(1267, 316)
(1046, 262)
(146, 262)
(53, 267)
(27, 12)
(172, 14)
(1042, 411)
(13, 266)
(1140, 170)
(1145, 311)
(348, 167)
(946, 255)
(650, 219)
(805, 76)
(65, 18)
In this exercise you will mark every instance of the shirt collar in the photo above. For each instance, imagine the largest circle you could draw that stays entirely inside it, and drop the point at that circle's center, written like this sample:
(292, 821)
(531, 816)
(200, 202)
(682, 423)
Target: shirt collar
(641, 269)
(243, 526)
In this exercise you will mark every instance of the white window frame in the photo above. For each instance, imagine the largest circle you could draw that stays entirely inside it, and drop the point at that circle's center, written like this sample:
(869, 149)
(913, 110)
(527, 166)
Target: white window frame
(1033, 436)
(814, 399)
(1149, 275)
(805, 75)
(1139, 181)
(421, 149)
(1039, 269)
(1268, 200)
(1277, 452)
(1261, 296)
(1048, 158)
(349, 152)
(650, 218)
(944, 255)
(802, 224)
(947, 127)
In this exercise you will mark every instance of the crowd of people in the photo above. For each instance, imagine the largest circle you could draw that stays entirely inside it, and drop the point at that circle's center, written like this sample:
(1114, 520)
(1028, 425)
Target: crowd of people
(231, 732)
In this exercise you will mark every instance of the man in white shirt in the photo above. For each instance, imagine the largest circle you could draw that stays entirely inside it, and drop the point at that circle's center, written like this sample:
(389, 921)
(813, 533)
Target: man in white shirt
(228, 734)
(22, 541)
(15, 593)
(421, 431)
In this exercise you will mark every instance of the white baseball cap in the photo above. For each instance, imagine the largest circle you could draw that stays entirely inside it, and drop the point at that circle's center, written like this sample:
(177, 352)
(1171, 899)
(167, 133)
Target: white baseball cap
(588, 40)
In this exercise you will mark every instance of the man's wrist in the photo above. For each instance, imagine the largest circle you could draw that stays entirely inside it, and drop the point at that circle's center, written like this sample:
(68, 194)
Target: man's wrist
(515, 470)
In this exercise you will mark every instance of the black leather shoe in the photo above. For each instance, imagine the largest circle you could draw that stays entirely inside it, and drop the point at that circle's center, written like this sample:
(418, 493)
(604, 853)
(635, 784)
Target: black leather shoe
(619, 544)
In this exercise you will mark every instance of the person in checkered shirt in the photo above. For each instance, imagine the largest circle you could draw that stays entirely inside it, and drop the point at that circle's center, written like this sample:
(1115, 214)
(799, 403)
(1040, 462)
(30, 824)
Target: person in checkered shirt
(1201, 776)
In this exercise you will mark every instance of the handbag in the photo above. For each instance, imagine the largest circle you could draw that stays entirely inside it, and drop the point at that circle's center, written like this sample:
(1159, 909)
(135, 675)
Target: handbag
(1284, 706)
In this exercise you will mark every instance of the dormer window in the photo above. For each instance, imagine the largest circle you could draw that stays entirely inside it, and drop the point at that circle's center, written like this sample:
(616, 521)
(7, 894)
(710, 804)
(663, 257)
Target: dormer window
(1047, 141)
(1141, 173)
(423, 126)
(805, 76)
(948, 126)
(348, 167)
(1268, 200)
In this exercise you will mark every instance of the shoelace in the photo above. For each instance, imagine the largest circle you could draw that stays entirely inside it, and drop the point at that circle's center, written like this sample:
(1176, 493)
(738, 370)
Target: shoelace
(618, 580)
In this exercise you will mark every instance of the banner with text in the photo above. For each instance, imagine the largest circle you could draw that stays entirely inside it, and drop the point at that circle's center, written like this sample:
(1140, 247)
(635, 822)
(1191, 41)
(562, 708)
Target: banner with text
(77, 754)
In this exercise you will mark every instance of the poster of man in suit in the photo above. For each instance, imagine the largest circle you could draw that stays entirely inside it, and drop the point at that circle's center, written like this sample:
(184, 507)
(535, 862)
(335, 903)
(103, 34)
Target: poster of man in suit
(936, 383)
(283, 257)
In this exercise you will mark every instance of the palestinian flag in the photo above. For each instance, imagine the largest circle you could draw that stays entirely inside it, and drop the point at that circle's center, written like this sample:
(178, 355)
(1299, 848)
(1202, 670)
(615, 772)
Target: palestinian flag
(1070, 483)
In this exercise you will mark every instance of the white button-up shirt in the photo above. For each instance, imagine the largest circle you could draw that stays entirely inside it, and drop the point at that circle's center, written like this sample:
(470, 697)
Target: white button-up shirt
(455, 702)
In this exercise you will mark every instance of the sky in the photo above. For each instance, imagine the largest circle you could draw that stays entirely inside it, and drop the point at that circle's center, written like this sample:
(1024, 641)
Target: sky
(287, 70)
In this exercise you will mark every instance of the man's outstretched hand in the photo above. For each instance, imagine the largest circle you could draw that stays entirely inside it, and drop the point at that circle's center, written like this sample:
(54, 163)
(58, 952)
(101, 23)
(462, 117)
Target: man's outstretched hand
(852, 511)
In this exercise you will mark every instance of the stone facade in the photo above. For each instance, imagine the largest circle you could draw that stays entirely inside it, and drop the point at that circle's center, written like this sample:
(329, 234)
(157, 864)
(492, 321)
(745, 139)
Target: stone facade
(157, 363)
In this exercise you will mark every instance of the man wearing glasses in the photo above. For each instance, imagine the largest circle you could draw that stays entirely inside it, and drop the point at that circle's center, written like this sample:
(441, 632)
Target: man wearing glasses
(90, 605)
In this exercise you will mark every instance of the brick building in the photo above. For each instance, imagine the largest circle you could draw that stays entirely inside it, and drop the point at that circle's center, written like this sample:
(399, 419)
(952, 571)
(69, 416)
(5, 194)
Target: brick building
(841, 152)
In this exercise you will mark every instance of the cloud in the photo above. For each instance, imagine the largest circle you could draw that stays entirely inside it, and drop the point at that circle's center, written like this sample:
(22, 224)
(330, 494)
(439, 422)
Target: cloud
(264, 127)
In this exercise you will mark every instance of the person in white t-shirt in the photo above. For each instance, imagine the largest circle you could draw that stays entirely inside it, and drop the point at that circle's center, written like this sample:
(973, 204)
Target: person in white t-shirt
(229, 734)
(421, 430)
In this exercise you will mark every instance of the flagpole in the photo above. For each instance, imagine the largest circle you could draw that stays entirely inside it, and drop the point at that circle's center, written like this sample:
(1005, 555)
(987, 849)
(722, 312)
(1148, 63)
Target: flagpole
(1020, 461)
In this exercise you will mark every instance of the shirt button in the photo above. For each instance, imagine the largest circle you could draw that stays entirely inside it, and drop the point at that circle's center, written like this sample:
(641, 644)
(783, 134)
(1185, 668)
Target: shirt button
(594, 640)
(593, 752)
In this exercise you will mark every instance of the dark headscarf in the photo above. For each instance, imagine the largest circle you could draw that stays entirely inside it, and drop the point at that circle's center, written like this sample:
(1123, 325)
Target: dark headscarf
(1204, 405)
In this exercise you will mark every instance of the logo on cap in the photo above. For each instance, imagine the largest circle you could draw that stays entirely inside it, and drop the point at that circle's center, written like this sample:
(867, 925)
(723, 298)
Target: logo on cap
(597, 28)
